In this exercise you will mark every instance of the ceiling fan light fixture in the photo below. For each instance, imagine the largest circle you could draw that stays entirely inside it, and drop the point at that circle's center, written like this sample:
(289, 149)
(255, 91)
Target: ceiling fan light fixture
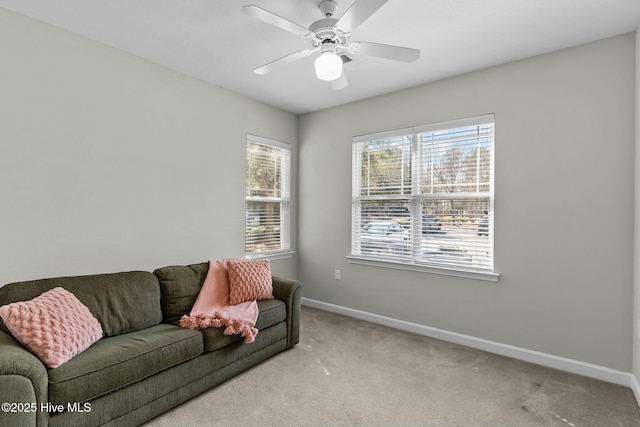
(328, 66)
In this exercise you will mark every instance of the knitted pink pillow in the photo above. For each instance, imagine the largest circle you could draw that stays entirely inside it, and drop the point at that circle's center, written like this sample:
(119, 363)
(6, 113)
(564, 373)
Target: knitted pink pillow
(54, 326)
(249, 279)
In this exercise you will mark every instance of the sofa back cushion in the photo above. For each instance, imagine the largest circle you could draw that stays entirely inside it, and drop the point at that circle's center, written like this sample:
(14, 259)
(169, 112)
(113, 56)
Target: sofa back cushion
(121, 302)
(180, 286)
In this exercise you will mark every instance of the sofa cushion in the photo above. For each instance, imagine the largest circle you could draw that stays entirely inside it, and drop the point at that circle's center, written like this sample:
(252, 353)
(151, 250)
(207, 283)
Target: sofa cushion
(55, 326)
(271, 312)
(115, 362)
(121, 302)
(179, 286)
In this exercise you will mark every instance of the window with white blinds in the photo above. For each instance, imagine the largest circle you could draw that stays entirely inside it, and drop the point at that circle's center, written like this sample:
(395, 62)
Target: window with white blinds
(267, 169)
(423, 196)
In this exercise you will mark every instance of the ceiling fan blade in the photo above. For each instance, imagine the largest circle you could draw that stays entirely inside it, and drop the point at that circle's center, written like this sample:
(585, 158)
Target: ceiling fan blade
(340, 83)
(273, 19)
(292, 57)
(396, 53)
(359, 12)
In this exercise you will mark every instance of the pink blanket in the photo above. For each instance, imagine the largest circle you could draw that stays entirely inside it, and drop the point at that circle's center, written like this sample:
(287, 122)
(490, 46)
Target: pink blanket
(212, 308)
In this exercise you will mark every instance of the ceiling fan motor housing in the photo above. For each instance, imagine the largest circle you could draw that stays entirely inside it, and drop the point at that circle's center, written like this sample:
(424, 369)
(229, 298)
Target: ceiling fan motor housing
(325, 30)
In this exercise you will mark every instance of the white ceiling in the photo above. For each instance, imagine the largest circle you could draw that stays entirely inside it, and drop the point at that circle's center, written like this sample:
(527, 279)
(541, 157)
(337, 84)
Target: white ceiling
(214, 41)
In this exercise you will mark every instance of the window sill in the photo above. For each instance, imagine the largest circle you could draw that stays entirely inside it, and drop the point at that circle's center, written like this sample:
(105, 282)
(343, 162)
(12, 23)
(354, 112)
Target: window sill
(271, 256)
(468, 274)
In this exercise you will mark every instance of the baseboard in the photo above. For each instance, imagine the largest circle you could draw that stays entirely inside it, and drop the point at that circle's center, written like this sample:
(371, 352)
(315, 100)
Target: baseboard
(556, 362)
(635, 387)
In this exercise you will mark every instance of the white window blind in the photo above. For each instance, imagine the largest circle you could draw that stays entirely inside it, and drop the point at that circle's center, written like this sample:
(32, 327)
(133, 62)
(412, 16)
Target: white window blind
(267, 196)
(424, 195)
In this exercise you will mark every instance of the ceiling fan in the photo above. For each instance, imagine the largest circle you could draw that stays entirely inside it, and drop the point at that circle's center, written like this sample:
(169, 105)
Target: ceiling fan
(330, 36)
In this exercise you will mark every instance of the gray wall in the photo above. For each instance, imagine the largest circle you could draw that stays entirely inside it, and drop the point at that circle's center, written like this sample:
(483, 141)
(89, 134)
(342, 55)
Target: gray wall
(109, 162)
(564, 205)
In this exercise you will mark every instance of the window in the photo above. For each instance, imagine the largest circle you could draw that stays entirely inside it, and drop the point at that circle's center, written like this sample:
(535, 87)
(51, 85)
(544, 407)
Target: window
(423, 196)
(267, 201)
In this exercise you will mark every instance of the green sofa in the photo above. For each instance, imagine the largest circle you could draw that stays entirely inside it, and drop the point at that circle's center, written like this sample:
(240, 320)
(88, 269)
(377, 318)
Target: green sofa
(145, 364)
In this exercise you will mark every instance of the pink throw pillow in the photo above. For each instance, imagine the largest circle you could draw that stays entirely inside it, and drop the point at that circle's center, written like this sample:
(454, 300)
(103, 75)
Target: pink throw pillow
(249, 279)
(54, 326)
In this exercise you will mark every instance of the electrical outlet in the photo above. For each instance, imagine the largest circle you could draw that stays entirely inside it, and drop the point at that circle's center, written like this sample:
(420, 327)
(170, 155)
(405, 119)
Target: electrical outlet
(337, 274)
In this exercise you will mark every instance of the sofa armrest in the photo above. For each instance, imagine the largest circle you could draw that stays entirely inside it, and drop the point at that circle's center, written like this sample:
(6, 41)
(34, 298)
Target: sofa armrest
(23, 385)
(289, 291)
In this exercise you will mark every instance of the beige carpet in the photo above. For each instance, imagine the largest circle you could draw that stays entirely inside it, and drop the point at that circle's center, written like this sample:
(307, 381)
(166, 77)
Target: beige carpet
(347, 372)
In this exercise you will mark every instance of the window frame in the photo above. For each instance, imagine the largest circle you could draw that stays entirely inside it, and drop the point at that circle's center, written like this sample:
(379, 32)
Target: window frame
(415, 261)
(284, 200)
